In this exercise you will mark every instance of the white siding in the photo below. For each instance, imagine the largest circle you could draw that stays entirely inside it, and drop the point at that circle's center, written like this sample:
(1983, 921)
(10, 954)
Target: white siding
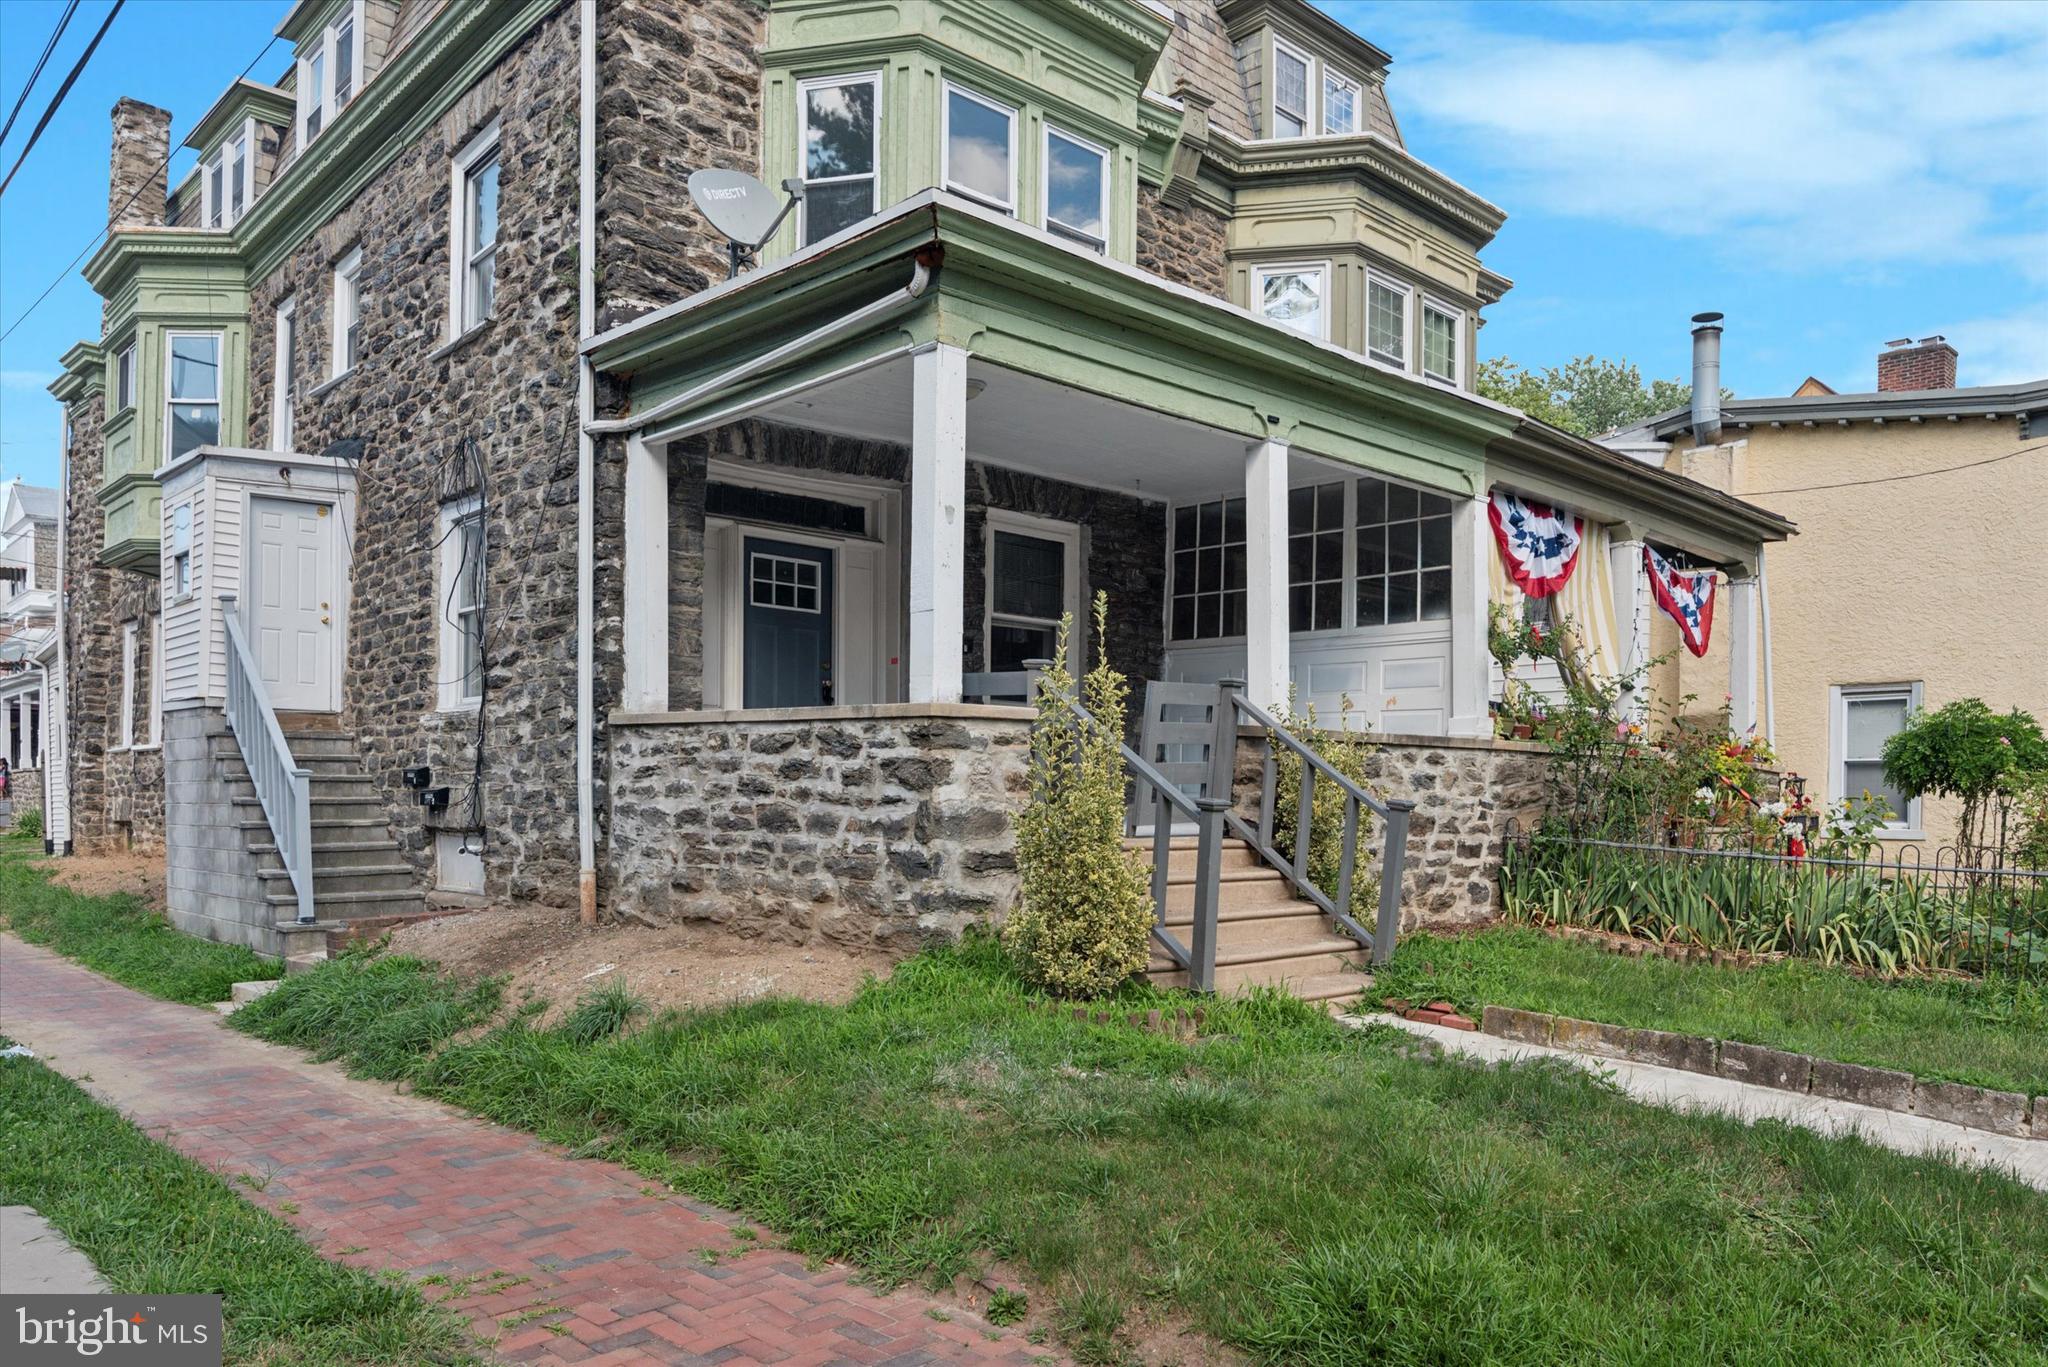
(223, 574)
(184, 621)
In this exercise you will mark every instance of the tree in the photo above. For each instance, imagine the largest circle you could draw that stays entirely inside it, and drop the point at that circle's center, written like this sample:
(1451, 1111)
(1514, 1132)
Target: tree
(1968, 751)
(1585, 395)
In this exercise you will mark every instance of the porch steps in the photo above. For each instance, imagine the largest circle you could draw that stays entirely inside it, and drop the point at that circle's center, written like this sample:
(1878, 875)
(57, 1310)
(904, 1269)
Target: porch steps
(1265, 935)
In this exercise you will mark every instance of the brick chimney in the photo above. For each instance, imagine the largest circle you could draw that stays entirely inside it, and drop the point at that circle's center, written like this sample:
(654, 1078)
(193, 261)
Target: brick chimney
(136, 184)
(1929, 363)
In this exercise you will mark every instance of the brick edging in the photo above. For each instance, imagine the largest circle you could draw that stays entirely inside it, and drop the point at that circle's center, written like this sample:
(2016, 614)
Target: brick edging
(1979, 1108)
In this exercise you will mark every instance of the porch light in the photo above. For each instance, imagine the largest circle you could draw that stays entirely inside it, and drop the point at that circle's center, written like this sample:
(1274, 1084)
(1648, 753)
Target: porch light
(975, 389)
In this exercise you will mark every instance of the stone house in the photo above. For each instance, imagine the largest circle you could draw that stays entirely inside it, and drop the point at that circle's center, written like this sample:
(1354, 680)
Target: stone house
(28, 619)
(479, 513)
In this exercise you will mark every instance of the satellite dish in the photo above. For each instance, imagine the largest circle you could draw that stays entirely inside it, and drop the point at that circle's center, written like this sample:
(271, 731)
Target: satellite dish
(741, 208)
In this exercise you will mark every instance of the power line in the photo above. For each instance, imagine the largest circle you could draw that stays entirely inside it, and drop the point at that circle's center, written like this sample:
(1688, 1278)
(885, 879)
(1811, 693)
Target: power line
(1894, 479)
(77, 69)
(63, 22)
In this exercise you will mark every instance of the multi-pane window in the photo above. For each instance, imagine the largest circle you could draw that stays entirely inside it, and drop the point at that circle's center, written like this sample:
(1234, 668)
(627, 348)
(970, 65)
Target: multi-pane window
(462, 604)
(473, 232)
(786, 582)
(344, 59)
(227, 182)
(1386, 322)
(314, 74)
(192, 397)
(1439, 342)
(981, 149)
(1340, 103)
(1076, 189)
(1404, 554)
(284, 375)
(1290, 93)
(840, 155)
(1865, 718)
(1293, 296)
(1030, 587)
(1315, 557)
(124, 379)
(347, 340)
(1209, 570)
(327, 75)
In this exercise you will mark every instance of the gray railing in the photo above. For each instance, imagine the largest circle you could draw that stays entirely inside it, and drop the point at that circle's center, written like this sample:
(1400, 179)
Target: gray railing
(283, 787)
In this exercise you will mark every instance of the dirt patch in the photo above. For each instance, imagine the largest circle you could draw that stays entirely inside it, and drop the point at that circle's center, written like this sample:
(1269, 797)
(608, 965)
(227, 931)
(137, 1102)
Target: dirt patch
(548, 953)
(101, 875)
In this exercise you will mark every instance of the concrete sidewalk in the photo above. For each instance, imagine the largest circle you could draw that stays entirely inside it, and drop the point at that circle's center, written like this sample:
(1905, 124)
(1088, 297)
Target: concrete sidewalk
(37, 1260)
(2023, 1159)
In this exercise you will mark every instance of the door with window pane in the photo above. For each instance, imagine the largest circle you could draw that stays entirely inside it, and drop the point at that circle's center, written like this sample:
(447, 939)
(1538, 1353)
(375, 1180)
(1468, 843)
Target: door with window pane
(787, 649)
(1030, 586)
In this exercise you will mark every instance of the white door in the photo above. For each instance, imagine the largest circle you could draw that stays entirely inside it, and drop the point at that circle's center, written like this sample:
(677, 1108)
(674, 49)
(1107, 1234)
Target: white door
(292, 603)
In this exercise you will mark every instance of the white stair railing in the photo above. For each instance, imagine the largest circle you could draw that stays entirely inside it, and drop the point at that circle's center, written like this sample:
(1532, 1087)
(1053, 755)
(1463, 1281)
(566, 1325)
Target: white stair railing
(283, 787)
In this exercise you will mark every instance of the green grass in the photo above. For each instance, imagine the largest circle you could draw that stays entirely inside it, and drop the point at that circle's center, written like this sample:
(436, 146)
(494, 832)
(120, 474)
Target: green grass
(1303, 1191)
(154, 1222)
(1991, 1033)
(118, 935)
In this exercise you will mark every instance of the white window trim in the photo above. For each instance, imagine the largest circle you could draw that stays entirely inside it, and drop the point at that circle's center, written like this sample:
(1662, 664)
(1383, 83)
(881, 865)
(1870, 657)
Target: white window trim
(474, 153)
(1065, 232)
(803, 150)
(211, 204)
(283, 403)
(1068, 535)
(947, 91)
(1456, 379)
(180, 547)
(124, 379)
(1311, 92)
(220, 347)
(448, 664)
(755, 559)
(1409, 361)
(323, 99)
(1332, 76)
(224, 157)
(1258, 299)
(131, 639)
(347, 287)
(1909, 825)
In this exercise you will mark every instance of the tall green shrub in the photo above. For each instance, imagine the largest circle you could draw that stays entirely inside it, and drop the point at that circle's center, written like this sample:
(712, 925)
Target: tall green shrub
(1086, 919)
(1968, 751)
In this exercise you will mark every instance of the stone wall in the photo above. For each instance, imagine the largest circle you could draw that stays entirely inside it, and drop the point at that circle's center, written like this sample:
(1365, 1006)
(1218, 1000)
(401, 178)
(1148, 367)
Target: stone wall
(1185, 244)
(880, 826)
(136, 188)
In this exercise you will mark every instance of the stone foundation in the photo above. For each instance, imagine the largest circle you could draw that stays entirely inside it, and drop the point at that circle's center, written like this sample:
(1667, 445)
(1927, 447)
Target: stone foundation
(883, 826)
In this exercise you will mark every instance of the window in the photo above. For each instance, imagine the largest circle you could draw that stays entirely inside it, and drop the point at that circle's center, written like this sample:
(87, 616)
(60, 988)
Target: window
(327, 74)
(313, 97)
(343, 44)
(238, 175)
(284, 376)
(348, 310)
(1440, 329)
(1386, 321)
(1290, 92)
(473, 233)
(786, 582)
(1315, 557)
(216, 200)
(838, 155)
(192, 401)
(226, 182)
(1340, 103)
(1208, 570)
(1034, 574)
(981, 149)
(1076, 190)
(1404, 554)
(181, 552)
(1292, 296)
(124, 379)
(463, 547)
(1865, 717)
(129, 645)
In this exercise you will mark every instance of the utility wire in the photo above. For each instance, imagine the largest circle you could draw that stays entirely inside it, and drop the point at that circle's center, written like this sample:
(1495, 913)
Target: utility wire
(63, 22)
(1894, 479)
(70, 79)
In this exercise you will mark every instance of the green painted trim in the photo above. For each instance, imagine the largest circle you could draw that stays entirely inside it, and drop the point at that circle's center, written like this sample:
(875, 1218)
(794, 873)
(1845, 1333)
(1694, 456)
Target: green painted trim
(1367, 157)
(245, 99)
(308, 17)
(84, 373)
(144, 555)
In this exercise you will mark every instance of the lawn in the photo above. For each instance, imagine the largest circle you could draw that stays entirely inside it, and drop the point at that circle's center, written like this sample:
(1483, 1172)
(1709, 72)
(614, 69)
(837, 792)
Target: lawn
(153, 1221)
(1986, 1033)
(1303, 1191)
(120, 936)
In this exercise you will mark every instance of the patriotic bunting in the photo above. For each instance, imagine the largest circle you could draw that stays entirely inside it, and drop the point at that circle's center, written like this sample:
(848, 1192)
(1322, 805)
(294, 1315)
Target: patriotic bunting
(1539, 544)
(1688, 595)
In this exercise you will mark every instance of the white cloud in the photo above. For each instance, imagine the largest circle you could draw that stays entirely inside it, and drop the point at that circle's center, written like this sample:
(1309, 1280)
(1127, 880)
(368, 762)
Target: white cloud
(2005, 350)
(27, 381)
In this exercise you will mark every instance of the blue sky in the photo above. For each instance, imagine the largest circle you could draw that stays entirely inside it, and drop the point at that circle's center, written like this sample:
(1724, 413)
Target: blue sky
(1830, 176)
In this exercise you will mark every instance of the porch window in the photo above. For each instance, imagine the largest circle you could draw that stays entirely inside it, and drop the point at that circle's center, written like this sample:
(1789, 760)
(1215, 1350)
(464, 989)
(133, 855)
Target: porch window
(473, 233)
(1340, 103)
(1386, 321)
(1865, 716)
(1209, 570)
(1033, 578)
(1315, 557)
(1290, 92)
(124, 379)
(1076, 189)
(192, 405)
(1404, 554)
(1293, 296)
(284, 369)
(1440, 327)
(461, 596)
(346, 344)
(838, 154)
(981, 149)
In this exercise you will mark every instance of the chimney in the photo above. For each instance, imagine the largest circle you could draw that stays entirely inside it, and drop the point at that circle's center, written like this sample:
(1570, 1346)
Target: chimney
(136, 185)
(1929, 363)
(1706, 378)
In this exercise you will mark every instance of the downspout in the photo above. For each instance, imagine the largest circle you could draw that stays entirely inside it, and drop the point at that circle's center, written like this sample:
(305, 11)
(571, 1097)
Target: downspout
(586, 463)
(1763, 591)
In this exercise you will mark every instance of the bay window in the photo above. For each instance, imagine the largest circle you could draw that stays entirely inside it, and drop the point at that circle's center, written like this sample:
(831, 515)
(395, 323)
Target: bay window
(839, 154)
(1293, 296)
(1076, 189)
(1386, 321)
(1440, 349)
(192, 392)
(1340, 103)
(981, 149)
(124, 379)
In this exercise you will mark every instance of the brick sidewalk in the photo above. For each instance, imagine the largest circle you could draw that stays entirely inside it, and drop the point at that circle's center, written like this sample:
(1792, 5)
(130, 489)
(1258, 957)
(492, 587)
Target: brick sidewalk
(611, 1275)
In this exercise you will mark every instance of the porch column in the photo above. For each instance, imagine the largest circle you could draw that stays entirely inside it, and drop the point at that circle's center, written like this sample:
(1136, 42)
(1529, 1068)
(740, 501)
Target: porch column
(1471, 663)
(938, 521)
(645, 613)
(1265, 552)
(1742, 615)
(1631, 612)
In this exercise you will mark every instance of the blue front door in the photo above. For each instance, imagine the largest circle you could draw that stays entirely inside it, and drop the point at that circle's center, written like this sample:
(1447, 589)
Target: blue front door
(788, 624)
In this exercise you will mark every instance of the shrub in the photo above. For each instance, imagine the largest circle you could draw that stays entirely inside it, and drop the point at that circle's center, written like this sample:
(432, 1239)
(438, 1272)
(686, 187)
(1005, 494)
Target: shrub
(2029, 846)
(28, 823)
(1086, 920)
(1966, 750)
(1345, 751)
(602, 1013)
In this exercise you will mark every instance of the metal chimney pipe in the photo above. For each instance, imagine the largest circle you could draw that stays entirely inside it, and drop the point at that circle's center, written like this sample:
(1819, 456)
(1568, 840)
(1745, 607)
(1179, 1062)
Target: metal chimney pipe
(1706, 378)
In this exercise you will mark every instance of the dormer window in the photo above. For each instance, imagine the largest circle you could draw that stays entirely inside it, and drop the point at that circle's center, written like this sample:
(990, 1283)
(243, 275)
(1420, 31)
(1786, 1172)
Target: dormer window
(328, 73)
(225, 184)
(1340, 103)
(1290, 91)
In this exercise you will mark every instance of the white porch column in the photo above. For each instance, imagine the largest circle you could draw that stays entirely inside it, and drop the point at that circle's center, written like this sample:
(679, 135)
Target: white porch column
(1471, 663)
(1631, 611)
(938, 521)
(1742, 615)
(1266, 669)
(646, 607)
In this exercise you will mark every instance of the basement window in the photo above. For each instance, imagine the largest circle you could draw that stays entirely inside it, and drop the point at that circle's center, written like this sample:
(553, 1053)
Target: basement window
(838, 155)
